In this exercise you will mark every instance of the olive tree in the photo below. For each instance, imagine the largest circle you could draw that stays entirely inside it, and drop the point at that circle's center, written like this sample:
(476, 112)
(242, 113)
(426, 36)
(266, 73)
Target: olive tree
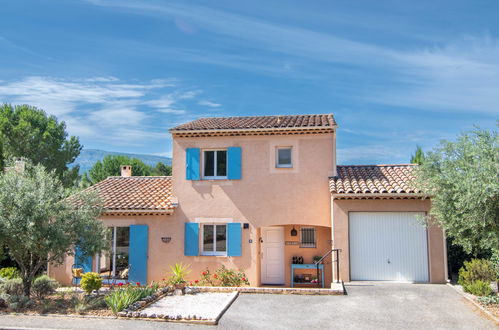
(40, 225)
(462, 178)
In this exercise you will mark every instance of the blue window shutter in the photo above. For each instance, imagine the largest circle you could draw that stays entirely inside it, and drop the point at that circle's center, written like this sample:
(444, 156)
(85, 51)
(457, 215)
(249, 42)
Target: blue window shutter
(83, 262)
(234, 156)
(191, 239)
(234, 248)
(192, 163)
(137, 257)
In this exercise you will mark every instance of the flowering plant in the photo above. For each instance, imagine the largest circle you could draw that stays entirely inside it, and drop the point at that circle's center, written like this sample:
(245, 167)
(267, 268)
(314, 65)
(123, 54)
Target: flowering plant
(223, 277)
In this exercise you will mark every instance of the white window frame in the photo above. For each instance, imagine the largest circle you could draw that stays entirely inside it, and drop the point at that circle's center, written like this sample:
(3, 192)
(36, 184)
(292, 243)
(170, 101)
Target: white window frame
(216, 177)
(214, 253)
(277, 164)
(302, 245)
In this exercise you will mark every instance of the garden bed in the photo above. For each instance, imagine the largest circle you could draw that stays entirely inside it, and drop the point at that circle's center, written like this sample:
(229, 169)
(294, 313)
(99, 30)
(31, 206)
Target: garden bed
(205, 308)
(64, 302)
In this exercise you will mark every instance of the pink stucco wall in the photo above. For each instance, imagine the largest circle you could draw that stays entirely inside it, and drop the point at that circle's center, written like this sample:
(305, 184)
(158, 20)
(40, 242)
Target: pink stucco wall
(264, 196)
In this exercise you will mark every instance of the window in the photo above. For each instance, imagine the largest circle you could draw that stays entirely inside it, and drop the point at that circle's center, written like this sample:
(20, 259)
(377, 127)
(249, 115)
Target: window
(116, 260)
(307, 239)
(215, 164)
(214, 240)
(283, 157)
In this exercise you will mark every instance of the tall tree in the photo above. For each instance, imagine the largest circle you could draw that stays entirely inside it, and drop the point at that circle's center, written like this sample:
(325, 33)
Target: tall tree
(161, 169)
(111, 166)
(418, 157)
(28, 132)
(39, 225)
(463, 179)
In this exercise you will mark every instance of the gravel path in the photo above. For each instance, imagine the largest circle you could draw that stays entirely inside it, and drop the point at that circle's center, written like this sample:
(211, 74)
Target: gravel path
(201, 306)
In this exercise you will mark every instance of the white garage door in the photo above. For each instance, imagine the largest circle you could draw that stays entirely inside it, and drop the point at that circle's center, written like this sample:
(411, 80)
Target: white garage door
(388, 246)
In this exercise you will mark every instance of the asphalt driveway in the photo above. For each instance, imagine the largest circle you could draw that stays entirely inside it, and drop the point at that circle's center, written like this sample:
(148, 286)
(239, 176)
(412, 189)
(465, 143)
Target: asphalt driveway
(367, 306)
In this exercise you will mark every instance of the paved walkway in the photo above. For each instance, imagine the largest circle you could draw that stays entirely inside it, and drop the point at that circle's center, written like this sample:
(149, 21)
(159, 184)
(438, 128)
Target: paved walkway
(368, 306)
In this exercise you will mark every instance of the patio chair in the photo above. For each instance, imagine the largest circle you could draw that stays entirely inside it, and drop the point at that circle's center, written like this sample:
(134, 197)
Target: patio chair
(76, 273)
(122, 276)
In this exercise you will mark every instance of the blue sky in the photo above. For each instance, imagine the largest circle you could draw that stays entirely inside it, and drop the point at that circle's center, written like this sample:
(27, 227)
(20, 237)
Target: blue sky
(120, 73)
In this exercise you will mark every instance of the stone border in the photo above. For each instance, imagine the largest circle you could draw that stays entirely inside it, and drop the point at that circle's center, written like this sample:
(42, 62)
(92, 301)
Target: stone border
(136, 314)
(469, 297)
(133, 309)
(337, 290)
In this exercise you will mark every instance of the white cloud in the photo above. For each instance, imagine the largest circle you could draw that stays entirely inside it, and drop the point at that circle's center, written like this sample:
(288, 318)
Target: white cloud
(210, 104)
(105, 108)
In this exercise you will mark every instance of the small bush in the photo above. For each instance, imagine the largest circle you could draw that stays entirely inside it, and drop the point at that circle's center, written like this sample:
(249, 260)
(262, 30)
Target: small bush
(9, 273)
(19, 302)
(13, 287)
(91, 281)
(125, 296)
(476, 270)
(223, 277)
(495, 262)
(489, 300)
(86, 303)
(478, 288)
(44, 286)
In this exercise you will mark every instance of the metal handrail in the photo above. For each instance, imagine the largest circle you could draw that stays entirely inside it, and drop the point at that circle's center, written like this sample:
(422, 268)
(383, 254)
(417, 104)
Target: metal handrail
(336, 260)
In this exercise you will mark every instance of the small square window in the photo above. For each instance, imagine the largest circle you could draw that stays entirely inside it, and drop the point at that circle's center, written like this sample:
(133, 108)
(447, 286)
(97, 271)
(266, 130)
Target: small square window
(214, 240)
(307, 237)
(283, 157)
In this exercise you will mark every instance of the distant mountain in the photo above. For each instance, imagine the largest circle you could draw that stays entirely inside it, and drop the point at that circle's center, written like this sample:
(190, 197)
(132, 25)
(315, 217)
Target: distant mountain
(88, 157)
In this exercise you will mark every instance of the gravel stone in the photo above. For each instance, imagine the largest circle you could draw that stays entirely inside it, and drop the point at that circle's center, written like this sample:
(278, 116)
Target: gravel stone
(205, 306)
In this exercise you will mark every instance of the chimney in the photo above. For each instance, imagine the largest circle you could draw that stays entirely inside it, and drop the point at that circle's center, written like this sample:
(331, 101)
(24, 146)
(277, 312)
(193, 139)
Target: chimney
(126, 171)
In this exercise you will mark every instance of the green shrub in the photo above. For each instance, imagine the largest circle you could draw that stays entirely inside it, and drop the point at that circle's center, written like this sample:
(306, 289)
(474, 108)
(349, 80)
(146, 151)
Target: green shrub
(19, 302)
(223, 277)
(9, 273)
(478, 288)
(489, 300)
(86, 303)
(91, 281)
(125, 296)
(13, 287)
(476, 270)
(44, 286)
(495, 262)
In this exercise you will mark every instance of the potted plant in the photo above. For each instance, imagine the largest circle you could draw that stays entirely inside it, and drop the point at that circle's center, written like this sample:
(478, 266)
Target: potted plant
(177, 279)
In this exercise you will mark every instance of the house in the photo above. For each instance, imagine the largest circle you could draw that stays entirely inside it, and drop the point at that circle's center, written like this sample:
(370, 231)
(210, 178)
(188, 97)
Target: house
(256, 193)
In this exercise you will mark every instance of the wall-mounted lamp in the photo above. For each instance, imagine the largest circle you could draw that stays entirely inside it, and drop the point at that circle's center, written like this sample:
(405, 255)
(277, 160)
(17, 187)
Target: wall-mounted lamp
(294, 232)
(166, 239)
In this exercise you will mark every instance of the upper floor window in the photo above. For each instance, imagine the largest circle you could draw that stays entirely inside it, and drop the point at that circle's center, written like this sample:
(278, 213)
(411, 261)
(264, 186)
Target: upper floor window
(283, 157)
(215, 164)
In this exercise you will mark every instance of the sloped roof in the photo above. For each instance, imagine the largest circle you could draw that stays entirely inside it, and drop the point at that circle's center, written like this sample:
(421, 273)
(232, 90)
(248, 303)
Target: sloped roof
(374, 179)
(259, 122)
(136, 193)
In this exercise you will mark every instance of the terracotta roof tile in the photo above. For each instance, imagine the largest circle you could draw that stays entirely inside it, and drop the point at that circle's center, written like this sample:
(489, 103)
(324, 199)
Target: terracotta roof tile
(147, 193)
(259, 122)
(373, 179)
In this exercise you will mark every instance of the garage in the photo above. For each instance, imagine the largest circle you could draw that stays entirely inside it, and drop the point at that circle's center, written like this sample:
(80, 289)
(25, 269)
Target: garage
(388, 246)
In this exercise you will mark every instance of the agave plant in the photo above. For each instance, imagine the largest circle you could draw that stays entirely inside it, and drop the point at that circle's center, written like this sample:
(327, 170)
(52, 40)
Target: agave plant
(178, 273)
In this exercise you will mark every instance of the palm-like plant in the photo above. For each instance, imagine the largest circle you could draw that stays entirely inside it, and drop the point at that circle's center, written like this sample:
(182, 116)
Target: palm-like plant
(178, 273)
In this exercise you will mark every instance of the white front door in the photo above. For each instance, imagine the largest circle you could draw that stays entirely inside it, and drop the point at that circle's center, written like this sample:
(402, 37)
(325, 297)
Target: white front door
(388, 246)
(272, 249)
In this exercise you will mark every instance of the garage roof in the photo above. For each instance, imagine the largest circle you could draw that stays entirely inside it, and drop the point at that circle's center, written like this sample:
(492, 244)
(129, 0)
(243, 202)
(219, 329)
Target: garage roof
(374, 179)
